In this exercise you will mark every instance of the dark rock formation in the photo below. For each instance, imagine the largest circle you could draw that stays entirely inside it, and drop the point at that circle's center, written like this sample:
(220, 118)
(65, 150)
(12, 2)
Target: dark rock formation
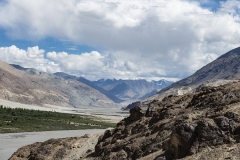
(132, 105)
(135, 113)
(177, 126)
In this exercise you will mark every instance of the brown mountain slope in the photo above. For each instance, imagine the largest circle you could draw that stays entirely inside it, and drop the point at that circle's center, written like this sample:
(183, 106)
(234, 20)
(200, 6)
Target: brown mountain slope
(35, 87)
(223, 70)
(226, 66)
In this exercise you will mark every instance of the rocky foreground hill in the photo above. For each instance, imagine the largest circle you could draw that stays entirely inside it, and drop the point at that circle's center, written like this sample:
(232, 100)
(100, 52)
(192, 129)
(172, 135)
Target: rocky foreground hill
(201, 125)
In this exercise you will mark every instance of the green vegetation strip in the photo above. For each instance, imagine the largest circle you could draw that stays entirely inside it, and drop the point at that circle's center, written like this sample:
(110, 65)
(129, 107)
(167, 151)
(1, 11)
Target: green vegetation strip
(24, 120)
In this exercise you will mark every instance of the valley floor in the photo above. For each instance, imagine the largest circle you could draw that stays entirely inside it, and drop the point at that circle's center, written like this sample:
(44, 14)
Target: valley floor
(112, 115)
(10, 142)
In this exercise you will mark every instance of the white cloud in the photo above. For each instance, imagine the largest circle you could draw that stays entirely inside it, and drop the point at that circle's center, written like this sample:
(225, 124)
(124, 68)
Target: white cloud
(86, 62)
(33, 57)
(141, 38)
(230, 7)
(91, 65)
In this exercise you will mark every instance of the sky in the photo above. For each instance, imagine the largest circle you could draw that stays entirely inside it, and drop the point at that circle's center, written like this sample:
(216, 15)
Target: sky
(122, 39)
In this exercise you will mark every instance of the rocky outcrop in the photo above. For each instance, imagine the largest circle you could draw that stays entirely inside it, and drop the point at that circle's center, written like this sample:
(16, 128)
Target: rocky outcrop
(58, 149)
(132, 105)
(178, 127)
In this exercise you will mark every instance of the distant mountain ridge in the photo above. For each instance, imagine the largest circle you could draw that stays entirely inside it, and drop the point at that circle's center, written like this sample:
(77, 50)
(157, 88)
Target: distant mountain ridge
(132, 89)
(122, 90)
(91, 84)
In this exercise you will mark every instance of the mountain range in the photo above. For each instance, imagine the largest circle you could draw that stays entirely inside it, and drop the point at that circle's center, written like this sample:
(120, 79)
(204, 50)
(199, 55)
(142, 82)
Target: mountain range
(129, 90)
(30, 86)
(91, 84)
